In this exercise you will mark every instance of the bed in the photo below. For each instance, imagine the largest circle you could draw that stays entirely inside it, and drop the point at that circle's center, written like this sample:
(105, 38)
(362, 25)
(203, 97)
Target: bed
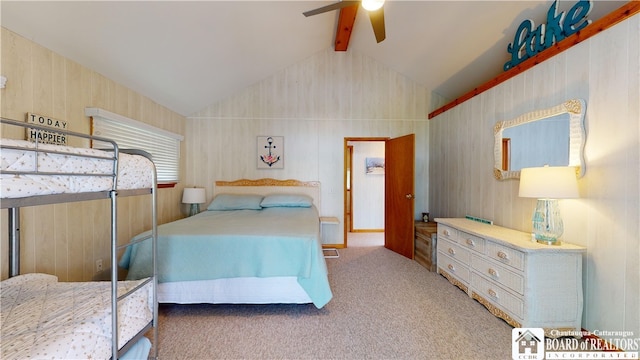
(42, 317)
(257, 243)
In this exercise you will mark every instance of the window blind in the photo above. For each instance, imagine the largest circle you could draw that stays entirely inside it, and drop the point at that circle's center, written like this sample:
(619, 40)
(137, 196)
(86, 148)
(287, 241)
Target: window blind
(163, 146)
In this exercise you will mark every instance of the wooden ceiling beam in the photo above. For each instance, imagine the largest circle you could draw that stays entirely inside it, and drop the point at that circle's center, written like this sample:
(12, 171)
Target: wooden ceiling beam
(346, 20)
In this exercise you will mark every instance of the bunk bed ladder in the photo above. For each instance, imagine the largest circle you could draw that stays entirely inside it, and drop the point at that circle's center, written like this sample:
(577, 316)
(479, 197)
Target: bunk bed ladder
(14, 241)
(114, 269)
(154, 232)
(113, 194)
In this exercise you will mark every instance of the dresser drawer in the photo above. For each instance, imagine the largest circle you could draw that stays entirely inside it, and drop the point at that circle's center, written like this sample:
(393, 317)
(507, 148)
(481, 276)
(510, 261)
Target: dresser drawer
(453, 267)
(448, 232)
(498, 273)
(471, 241)
(454, 250)
(505, 255)
(497, 295)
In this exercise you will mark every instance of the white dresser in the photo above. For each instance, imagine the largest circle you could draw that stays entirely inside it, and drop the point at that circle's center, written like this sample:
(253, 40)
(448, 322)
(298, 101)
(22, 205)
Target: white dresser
(523, 282)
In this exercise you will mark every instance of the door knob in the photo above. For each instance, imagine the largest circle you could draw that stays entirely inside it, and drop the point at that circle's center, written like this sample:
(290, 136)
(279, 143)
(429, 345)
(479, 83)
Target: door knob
(409, 196)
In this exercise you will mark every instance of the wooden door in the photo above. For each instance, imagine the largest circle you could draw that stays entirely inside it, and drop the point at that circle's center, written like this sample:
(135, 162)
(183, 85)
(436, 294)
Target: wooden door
(399, 195)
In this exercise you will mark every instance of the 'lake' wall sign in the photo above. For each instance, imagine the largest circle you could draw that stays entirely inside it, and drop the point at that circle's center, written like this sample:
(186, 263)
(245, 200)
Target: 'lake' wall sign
(530, 40)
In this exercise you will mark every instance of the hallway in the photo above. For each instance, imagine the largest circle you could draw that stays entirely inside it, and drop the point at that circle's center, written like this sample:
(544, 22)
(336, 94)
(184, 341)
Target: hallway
(362, 239)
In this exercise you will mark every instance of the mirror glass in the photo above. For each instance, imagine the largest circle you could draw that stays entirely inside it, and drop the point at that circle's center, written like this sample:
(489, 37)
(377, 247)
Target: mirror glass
(553, 137)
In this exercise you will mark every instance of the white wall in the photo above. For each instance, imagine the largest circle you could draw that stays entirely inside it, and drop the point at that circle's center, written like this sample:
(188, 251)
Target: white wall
(367, 190)
(605, 71)
(314, 104)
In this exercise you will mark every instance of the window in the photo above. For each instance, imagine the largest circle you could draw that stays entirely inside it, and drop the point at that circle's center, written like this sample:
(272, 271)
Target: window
(164, 146)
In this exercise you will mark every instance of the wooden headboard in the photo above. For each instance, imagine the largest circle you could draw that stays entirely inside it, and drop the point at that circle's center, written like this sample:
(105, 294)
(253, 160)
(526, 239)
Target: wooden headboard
(268, 186)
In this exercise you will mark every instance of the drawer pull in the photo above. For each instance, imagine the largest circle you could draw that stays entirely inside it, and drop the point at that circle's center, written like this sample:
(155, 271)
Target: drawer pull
(446, 232)
(451, 251)
(471, 243)
(503, 255)
(451, 267)
(492, 272)
(492, 293)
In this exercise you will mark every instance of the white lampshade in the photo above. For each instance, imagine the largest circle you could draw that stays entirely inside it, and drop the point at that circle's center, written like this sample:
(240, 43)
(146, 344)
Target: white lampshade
(372, 5)
(194, 196)
(548, 182)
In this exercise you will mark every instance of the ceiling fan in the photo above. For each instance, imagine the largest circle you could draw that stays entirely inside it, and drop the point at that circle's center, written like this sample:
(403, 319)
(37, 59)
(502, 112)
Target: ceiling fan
(374, 8)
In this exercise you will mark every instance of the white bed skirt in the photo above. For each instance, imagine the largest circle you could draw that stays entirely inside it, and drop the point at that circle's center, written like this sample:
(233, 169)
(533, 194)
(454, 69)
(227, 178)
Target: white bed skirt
(245, 290)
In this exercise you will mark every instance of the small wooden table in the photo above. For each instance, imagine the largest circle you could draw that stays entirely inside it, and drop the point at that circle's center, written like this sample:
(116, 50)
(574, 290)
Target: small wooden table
(425, 244)
(328, 220)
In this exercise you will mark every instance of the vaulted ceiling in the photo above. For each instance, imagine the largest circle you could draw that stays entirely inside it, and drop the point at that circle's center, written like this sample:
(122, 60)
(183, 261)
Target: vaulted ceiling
(187, 55)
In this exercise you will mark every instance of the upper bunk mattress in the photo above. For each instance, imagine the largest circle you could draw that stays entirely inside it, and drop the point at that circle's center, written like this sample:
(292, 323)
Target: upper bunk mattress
(44, 318)
(134, 171)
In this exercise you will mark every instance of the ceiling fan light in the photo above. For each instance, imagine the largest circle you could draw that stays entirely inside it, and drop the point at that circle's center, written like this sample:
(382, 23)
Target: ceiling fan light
(372, 5)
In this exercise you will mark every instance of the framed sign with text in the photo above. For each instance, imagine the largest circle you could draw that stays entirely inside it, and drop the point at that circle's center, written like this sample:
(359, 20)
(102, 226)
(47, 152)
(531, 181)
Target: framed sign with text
(46, 136)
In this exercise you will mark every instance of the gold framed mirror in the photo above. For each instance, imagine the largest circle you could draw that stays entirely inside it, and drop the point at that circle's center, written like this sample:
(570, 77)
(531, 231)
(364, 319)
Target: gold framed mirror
(553, 136)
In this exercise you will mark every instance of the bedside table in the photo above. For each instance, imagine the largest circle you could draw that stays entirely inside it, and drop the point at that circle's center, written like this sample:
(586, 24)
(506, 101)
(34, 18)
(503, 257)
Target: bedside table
(425, 244)
(328, 252)
(324, 221)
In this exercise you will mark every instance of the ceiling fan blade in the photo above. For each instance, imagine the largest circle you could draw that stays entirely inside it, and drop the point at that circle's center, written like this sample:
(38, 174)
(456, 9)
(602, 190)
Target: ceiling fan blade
(334, 6)
(377, 21)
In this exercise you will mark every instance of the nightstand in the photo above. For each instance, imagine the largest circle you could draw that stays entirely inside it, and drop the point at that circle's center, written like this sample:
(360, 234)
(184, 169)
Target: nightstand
(324, 221)
(425, 244)
(328, 220)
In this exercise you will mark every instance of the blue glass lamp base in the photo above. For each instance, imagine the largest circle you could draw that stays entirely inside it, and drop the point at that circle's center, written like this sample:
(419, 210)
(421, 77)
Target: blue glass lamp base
(194, 209)
(547, 223)
(547, 241)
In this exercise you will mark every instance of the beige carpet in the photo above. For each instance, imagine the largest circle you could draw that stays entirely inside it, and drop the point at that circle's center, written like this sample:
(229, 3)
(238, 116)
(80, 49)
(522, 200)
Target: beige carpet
(359, 239)
(385, 306)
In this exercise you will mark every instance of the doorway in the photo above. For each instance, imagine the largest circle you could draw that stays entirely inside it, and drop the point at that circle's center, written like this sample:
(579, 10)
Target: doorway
(398, 191)
(364, 191)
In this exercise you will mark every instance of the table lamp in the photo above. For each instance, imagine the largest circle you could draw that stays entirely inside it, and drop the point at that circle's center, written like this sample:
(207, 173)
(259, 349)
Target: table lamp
(548, 184)
(194, 196)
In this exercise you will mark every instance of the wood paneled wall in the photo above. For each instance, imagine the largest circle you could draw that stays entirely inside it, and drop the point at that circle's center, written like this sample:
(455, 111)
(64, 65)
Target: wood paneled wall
(314, 104)
(605, 71)
(67, 239)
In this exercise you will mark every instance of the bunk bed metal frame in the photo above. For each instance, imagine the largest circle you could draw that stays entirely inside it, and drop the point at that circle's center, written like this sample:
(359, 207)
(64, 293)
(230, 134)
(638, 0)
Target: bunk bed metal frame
(13, 206)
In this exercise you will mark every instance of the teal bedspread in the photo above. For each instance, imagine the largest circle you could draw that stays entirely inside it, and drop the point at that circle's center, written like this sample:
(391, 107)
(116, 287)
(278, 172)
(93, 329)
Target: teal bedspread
(277, 241)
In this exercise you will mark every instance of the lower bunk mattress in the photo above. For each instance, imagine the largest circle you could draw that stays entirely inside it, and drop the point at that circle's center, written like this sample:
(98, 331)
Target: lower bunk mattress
(44, 318)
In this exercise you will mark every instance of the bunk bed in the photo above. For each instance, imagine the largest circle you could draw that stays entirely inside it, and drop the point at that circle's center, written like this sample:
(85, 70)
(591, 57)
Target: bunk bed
(42, 317)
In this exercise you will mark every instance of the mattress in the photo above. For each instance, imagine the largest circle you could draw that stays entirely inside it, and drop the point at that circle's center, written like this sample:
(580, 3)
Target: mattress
(134, 171)
(42, 317)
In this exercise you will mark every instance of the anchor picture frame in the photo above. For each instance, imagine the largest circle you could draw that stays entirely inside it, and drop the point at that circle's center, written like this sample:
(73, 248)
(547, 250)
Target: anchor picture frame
(270, 152)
